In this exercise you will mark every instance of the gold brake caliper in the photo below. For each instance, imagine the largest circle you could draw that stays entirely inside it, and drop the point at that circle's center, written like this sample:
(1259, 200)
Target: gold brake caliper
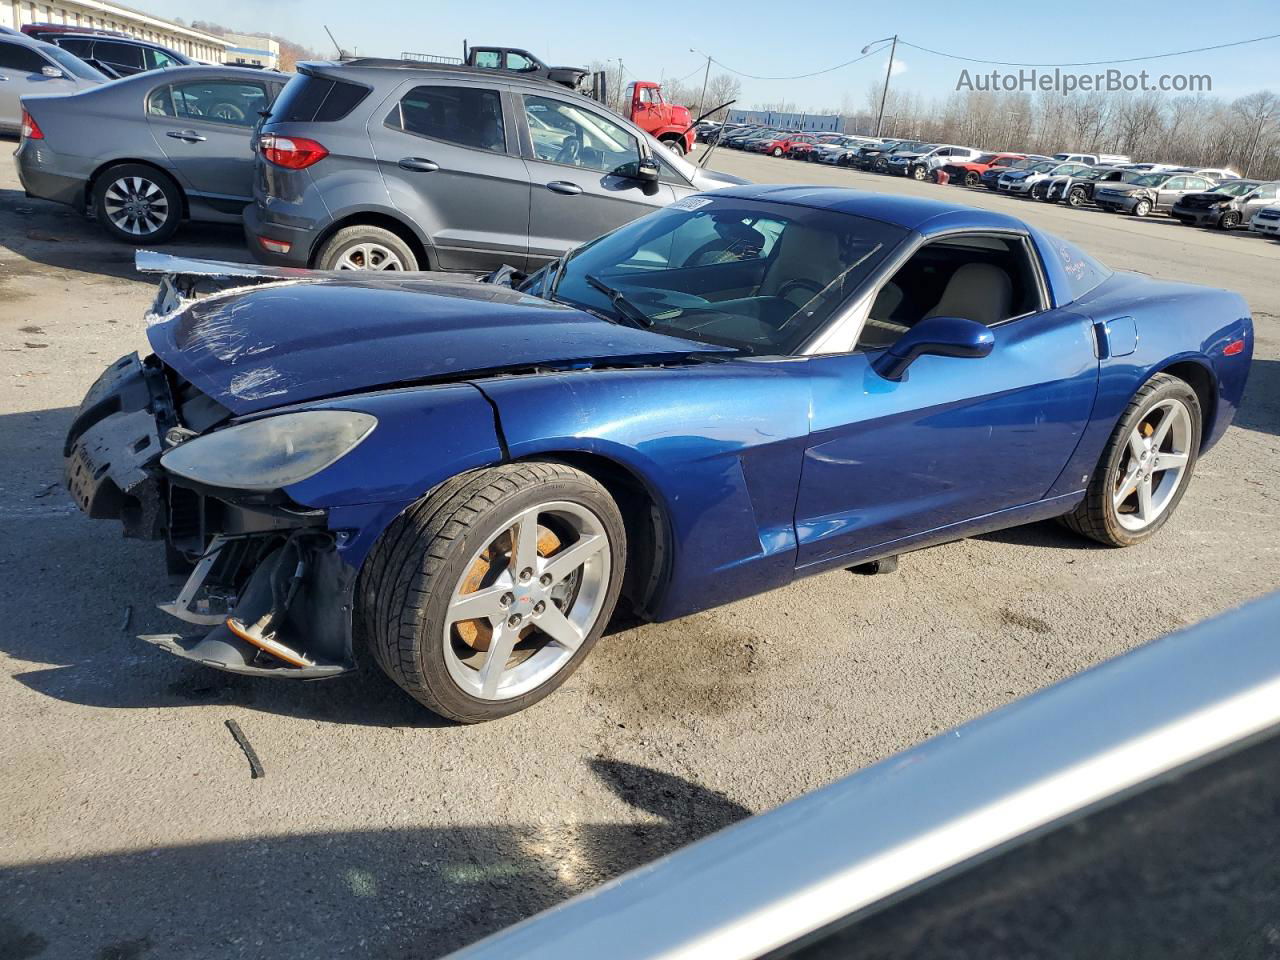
(477, 633)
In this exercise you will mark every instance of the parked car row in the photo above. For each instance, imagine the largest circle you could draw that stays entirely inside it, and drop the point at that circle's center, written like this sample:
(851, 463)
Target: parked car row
(363, 164)
(1206, 196)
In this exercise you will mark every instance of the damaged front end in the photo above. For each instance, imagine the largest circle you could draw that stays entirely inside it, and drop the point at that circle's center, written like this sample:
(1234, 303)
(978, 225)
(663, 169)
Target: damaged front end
(267, 593)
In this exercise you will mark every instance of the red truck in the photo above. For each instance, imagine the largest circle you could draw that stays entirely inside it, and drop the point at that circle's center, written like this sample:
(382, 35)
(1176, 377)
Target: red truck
(667, 122)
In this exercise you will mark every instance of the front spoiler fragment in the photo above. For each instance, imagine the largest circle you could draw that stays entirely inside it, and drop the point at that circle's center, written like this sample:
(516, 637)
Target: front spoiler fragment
(215, 651)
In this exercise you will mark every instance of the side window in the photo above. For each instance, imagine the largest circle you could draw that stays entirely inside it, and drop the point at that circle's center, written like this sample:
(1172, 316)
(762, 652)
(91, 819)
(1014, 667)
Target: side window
(20, 59)
(220, 101)
(516, 61)
(987, 279)
(158, 59)
(1267, 192)
(81, 48)
(566, 133)
(466, 116)
(160, 102)
(119, 54)
(489, 59)
(1175, 183)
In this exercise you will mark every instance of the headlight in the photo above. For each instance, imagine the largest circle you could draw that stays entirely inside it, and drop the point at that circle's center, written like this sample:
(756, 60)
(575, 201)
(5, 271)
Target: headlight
(270, 453)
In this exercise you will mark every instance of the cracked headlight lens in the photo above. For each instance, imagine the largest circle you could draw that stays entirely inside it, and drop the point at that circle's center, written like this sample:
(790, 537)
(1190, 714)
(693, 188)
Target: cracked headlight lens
(270, 453)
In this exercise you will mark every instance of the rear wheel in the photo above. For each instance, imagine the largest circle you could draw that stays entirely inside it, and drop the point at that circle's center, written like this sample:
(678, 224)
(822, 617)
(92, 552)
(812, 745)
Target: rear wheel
(484, 597)
(365, 248)
(137, 204)
(1145, 468)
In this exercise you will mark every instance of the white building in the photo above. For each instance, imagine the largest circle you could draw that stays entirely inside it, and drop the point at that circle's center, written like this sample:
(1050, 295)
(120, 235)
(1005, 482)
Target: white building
(112, 16)
(252, 51)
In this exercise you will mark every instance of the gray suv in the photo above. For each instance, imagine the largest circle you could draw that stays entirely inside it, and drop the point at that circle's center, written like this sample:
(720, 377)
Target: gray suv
(392, 165)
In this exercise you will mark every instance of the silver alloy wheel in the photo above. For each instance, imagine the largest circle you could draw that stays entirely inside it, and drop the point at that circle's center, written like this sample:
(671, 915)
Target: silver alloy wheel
(369, 256)
(1153, 466)
(527, 600)
(136, 205)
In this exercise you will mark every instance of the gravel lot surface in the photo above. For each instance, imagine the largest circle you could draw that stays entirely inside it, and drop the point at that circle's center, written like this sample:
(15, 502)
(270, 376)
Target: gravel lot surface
(130, 827)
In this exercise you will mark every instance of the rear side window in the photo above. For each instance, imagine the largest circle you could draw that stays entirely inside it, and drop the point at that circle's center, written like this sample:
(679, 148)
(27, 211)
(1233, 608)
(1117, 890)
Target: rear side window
(81, 48)
(1083, 272)
(159, 60)
(21, 59)
(307, 99)
(119, 54)
(467, 116)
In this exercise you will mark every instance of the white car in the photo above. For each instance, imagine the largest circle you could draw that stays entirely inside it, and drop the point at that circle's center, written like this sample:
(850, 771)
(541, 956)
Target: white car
(1267, 221)
(1093, 159)
(919, 165)
(1022, 183)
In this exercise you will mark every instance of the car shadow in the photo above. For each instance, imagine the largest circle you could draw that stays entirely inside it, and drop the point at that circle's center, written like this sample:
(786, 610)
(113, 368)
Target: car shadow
(53, 235)
(1260, 408)
(393, 894)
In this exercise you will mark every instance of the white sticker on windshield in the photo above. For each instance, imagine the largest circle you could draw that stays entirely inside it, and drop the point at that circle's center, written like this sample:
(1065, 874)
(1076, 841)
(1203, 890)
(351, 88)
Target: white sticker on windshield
(691, 203)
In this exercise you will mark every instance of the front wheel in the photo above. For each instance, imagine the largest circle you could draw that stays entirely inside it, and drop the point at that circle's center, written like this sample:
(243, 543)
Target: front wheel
(972, 178)
(365, 248)
(137, 204)
(1230, 220)
(919, 173)
(675, 145)
(1145, 468)
(1076, 197)
(777, 151)
(1142, 208)
(1040, 191)
(485, 596)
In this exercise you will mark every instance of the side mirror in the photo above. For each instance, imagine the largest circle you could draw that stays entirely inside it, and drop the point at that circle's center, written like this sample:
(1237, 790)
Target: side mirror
(647, 170)
(53, 73)
(939, 337)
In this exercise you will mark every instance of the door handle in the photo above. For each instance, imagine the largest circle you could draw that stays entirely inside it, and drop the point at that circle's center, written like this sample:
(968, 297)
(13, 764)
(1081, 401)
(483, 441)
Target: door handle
(565, 187)
(418, 165)
(190, 136)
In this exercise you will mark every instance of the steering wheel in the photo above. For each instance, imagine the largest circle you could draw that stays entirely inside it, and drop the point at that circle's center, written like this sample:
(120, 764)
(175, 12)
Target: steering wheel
(800, 283)
(227, 111)
(570, 149)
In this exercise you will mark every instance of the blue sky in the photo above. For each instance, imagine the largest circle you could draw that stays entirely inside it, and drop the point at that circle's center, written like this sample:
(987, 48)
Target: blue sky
(771, 38)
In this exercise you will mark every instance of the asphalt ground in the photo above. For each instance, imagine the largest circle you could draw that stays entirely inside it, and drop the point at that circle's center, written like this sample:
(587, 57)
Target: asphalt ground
(130, 826)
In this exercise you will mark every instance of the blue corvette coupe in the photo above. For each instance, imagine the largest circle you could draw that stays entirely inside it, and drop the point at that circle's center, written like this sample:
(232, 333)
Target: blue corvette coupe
(464, 478)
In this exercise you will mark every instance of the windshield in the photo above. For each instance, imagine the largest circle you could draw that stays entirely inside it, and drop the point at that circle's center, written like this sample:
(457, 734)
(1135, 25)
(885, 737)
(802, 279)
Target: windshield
(73, 64)
(1044, 166)
(1236, 188)
(761, 277)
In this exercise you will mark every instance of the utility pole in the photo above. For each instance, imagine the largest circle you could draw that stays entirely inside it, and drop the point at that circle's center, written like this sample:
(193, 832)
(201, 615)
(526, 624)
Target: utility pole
(702, 100)
(885, 92)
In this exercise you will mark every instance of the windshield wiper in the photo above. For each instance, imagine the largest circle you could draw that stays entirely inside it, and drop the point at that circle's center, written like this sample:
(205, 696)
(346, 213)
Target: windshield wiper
(625, 307)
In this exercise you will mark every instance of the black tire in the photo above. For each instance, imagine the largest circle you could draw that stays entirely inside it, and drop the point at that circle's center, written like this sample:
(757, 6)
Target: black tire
(777, 151)
(1142, 208)
(919, 172)
(1095, 516)
(1229, 220)
(157, 196)
(972, 178)
(675, 144)
(406, 583)
(1076, 197)
(1039, 191)
(349, 239)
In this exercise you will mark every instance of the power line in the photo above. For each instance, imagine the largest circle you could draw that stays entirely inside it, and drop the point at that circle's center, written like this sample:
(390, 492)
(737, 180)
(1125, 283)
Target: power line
(799, 76)
(998, 63)
(695, 70)
(1090, 63)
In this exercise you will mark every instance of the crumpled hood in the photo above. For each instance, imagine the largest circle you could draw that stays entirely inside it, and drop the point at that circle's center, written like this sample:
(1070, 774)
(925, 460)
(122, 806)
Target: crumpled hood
(292, 342)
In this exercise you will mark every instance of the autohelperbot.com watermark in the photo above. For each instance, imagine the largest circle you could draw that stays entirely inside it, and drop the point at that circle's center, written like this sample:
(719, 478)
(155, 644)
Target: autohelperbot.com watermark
(1066, 82)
